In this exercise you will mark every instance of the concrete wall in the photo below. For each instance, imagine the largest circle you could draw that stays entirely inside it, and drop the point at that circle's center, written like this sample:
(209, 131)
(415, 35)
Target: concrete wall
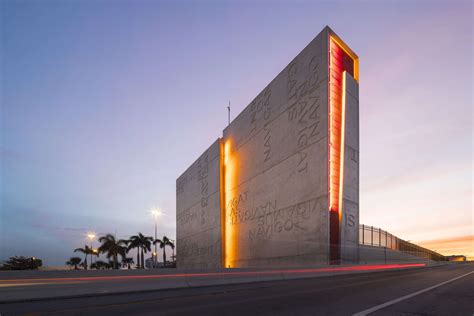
(372, 254)
(350, 202)
(273, 166)
(198, 212)
(277, 206)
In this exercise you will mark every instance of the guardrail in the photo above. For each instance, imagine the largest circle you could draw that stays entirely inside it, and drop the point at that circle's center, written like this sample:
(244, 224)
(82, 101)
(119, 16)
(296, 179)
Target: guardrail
(373, 236)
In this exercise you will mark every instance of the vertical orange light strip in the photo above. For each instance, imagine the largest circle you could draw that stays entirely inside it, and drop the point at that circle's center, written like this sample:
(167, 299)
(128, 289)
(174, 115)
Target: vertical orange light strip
(334, 152)
(230, 239)
(335, 118)
(222, 200)
(343, 130)
(341, 62)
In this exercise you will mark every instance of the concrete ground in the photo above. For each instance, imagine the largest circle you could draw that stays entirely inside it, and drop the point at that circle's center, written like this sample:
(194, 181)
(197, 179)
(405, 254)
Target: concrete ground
(438, 290)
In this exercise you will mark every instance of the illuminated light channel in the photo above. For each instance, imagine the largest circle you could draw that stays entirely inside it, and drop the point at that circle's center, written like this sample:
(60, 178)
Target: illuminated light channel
(341, 62)
(230, 180)
(343, 130)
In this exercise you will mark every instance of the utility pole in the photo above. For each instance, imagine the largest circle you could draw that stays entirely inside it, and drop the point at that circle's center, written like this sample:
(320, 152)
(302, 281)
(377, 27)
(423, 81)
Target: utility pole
(155, 261)
(228, 114)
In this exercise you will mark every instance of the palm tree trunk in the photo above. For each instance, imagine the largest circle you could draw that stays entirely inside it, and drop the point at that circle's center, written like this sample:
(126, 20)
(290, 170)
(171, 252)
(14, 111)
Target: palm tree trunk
(164, 256)
(138, 258)
(115, 261)
(143, 259)
(85, 263)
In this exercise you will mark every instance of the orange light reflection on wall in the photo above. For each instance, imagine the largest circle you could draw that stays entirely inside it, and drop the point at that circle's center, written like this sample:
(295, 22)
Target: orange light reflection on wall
(230, 181)
(341, 62)
(343, 129)
(335, 123)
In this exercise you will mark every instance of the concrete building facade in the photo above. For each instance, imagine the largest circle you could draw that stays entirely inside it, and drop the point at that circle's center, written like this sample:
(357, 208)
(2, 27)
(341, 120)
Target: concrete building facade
(281, 186)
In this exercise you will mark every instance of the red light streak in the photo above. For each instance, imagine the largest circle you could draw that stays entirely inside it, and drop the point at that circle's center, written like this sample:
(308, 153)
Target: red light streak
(220, 274)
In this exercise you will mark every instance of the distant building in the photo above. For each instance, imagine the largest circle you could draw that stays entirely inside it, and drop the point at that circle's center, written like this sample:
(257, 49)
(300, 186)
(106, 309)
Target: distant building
(149, 263)
(281, 186)
(459, 258)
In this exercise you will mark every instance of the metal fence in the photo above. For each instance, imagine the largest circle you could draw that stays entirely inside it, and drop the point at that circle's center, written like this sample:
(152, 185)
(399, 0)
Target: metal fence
(373, 236)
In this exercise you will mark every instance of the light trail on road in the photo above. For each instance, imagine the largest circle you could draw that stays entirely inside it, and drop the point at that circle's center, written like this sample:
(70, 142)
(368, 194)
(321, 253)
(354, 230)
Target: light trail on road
(53, 280)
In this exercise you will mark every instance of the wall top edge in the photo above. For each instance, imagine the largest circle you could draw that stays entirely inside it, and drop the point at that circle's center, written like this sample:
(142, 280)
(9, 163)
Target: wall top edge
(341, 42)
(321, 35)
(218, 140)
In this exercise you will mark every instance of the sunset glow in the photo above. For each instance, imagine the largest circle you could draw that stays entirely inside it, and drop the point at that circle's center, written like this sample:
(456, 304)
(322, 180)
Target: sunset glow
(99, 116)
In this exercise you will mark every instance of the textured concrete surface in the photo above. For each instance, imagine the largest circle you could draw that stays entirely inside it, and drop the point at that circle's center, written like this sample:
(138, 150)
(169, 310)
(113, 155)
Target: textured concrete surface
(198, 212)
(273, 209)
(277, 206)
(350, 202)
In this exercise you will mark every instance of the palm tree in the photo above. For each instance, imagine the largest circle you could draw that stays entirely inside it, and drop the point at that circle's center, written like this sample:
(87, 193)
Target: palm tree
(73, 262)
(171, 244)
(113, 248)
(143, 243)
(163, 243)
(126, 262)
(94, 252)
(134, 242)
(86, 251)
(100, 265)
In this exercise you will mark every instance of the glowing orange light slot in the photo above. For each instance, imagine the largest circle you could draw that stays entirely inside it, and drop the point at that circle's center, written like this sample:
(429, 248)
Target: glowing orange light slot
(230, 236)
(341, 62)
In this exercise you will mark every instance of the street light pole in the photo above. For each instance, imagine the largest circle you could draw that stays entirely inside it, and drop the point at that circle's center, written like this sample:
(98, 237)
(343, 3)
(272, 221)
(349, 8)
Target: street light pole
(91, 237)
(156, 213)
(156, 253)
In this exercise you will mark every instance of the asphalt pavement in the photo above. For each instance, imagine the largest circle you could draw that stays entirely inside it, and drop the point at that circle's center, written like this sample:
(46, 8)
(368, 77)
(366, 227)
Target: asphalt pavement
(439, 290)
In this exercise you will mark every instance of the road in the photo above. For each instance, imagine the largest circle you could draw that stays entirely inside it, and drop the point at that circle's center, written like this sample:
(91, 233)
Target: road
(440, 290)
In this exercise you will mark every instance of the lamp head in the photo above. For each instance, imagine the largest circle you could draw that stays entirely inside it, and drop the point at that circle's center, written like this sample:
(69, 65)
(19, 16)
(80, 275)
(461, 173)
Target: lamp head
(156, 212)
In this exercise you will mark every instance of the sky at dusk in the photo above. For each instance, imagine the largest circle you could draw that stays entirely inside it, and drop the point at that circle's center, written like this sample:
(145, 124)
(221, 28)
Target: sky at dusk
(105, 103)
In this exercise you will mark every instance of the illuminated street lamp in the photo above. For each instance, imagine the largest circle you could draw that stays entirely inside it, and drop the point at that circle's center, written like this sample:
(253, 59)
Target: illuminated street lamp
(156, 212)
(91, 237)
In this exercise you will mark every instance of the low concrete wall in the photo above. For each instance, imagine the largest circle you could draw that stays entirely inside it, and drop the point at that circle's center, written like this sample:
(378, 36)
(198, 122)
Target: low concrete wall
(372, 254)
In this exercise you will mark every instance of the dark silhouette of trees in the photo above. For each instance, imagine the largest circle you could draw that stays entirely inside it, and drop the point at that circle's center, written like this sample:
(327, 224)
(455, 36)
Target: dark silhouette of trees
(113, 248)
(86, 251)
(74, 262)
(21, 263)
(165, 241)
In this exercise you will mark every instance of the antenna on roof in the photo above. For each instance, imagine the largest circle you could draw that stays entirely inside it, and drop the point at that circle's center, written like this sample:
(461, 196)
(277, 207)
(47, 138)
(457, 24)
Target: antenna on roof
(228, 114)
